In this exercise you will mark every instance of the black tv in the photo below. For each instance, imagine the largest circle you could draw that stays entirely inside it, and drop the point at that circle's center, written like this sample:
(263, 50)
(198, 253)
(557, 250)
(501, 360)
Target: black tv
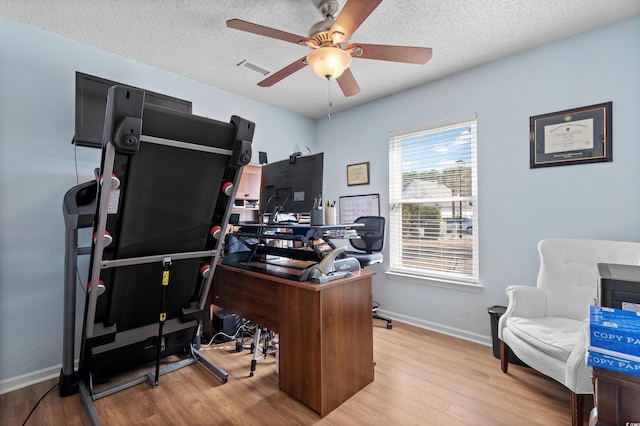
(291, 185)
(619, 286)
(91, 102)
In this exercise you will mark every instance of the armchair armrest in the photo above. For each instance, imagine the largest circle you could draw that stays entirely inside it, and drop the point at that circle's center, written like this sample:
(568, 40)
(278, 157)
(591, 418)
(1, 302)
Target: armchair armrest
(524, 301)
(578, 374)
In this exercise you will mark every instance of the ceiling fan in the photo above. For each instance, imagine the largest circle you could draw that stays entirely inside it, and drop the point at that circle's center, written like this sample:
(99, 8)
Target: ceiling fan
(331, 52)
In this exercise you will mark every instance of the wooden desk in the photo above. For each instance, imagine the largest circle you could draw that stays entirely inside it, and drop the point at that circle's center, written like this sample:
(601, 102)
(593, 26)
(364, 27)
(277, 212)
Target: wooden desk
(326, 330)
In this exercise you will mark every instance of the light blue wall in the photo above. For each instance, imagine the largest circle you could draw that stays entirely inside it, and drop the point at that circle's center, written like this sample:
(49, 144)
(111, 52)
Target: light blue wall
(37, 113)
(518, 206)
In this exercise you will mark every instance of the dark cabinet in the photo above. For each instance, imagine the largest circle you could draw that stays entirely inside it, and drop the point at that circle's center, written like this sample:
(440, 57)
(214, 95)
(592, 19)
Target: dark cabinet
(617, 397)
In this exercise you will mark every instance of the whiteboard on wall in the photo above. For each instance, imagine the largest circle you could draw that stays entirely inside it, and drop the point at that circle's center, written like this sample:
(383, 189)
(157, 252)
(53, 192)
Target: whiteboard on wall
(352, 207)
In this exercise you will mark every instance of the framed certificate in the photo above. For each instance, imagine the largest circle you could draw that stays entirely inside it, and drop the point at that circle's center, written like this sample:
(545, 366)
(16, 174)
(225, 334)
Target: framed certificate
(358, 174)
(573, 136)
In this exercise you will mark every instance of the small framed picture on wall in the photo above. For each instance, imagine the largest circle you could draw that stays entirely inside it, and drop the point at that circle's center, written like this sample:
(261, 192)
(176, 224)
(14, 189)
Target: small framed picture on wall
(358, 174)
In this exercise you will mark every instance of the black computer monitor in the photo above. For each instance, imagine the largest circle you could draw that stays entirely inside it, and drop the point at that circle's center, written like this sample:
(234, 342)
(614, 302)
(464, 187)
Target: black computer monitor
(619, 286)
(91, 102)
(291, 185)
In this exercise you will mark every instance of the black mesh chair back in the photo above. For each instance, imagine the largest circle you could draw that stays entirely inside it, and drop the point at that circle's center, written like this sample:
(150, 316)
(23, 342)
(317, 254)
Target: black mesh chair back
(371, 240)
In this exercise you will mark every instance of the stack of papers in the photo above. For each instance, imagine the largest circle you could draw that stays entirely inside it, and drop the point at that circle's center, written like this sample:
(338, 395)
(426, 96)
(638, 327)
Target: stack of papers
(614, 339)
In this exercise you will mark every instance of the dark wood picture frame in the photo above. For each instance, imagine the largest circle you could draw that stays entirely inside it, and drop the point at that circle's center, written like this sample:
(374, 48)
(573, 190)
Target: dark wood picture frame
(573, 136)
(358, 174)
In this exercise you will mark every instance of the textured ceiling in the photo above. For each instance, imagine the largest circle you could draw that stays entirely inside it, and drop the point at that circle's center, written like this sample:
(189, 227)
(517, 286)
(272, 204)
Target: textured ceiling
(190, 38)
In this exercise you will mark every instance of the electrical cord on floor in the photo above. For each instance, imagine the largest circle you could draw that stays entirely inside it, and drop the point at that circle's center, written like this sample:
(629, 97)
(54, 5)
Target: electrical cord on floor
(247, 326)
(38, 403)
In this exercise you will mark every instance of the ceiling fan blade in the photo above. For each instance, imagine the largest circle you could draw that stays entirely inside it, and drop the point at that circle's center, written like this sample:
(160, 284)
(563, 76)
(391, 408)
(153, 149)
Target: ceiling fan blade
(348, 83)
(249, 27)
(284, 72)
(352, 15)
(407, 54)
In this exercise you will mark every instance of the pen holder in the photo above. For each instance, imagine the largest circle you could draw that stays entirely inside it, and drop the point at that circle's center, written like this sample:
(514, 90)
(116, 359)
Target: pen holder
(330, 215)
(317, 217)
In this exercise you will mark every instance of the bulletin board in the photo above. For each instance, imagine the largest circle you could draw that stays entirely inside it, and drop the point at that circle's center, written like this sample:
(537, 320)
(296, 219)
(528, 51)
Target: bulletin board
(352, 207)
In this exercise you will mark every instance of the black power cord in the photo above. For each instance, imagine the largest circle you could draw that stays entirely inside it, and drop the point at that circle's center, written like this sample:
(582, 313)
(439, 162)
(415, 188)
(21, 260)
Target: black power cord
(38, 403)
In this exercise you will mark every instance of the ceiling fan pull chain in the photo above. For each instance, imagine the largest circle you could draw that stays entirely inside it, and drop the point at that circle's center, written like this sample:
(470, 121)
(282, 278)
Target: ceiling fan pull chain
(329, 97)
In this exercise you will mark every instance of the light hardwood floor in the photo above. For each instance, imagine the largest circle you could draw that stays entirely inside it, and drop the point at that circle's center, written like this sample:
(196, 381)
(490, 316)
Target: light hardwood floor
(421, 378)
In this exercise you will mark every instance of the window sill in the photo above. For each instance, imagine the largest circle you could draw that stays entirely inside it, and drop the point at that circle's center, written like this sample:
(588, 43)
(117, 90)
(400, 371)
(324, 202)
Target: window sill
(470, 287)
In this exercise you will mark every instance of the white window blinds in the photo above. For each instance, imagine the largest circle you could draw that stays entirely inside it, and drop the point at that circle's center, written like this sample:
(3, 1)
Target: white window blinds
(433, 226)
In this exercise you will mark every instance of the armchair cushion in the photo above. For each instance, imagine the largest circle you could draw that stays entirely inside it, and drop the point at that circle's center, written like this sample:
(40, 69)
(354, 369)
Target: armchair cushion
(552, 335)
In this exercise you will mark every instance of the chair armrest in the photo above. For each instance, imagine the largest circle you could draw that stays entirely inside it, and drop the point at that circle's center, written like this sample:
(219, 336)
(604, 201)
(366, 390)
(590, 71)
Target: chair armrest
(578, 374)
(524, 301)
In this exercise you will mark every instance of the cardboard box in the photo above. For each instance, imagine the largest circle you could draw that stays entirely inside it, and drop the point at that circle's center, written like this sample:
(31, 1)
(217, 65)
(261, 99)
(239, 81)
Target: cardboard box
(614, 330)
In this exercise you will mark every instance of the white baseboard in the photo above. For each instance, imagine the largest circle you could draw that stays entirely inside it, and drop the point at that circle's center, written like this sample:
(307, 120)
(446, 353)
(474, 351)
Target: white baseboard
(19, 382)
(439, 328)
(29, 379)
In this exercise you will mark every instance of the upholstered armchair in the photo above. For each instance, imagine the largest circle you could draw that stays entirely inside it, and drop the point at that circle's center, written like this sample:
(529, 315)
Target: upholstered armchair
(547, 326)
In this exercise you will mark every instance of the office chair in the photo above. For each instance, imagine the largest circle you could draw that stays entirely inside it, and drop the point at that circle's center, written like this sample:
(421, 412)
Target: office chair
(370, 246)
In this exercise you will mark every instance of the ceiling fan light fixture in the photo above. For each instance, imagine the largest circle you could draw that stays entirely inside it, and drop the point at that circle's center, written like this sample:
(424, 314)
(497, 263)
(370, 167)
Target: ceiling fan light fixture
(328, 62)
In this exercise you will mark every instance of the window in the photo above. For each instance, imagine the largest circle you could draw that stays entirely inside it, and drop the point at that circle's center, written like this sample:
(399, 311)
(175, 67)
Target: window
(433, 226)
